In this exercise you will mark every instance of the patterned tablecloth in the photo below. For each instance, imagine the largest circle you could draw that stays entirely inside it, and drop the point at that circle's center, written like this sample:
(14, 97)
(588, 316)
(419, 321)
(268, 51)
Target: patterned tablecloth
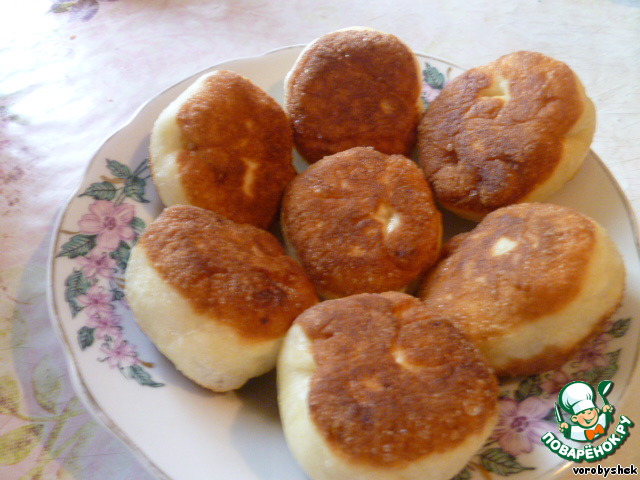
(72, 72)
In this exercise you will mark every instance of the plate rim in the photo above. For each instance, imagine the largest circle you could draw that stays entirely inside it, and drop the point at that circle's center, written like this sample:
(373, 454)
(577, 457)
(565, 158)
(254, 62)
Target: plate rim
(55, 318)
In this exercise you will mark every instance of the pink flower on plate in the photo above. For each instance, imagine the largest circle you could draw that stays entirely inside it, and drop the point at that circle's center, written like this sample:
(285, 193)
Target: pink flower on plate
(120, 354)
(429, 92)
(110, 222)
(96, 301)
(106, 326)
(552, 382)
(98, 264)
(520, 425)
(594, 353)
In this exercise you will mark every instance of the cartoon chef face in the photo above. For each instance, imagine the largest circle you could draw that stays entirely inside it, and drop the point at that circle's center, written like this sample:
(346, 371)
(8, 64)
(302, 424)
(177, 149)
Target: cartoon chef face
(586, 418)
(589, 421)
(578, 398)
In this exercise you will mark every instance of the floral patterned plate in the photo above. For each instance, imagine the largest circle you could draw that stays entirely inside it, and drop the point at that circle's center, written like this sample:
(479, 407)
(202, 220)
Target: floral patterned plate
(183, 432)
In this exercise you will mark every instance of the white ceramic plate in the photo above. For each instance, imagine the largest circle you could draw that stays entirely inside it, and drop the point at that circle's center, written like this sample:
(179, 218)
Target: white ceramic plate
(183, 432)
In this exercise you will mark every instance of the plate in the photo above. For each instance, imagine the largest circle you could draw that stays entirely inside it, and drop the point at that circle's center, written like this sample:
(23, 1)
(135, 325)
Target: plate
(183, 432)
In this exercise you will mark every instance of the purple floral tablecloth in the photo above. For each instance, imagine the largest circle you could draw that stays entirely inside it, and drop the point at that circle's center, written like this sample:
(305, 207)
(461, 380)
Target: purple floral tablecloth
(72, 72)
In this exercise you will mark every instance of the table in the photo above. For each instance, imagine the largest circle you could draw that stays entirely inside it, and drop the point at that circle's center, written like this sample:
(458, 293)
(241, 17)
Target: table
(72, 72)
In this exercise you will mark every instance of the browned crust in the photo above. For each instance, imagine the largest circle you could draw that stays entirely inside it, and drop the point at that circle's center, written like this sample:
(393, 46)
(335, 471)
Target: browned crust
(480, 152)
(486, 295)
(237, 274)
(354, 88)
(372, 410)
(228, 122)
(333, 216)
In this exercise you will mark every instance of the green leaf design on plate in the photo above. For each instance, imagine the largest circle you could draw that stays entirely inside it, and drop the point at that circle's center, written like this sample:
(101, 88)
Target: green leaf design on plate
(117, 294)
(75, 308)
(134, 188)
(433, 77)
(47, 384)
(86, 337)
(16, 445)
(620, 327)
(141, 376)
(598, 374)
(76, 284)
(464, 474)
(498, 461)
(138, 225)
(118, 169)
(121, 255)
(529, 387)
(101, 191)
(9, 395)
(77, 246)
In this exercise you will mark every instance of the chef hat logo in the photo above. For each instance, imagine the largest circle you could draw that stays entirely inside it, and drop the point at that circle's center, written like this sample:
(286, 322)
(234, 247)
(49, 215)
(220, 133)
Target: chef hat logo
(576, 397)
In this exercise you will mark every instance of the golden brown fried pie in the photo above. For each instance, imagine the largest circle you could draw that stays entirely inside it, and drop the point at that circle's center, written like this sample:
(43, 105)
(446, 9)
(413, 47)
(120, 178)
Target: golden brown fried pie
(514, 130)
(362, 221)
(354, 87)
(529, 285)
(224, 145)
(371, 386)
(214, 296)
